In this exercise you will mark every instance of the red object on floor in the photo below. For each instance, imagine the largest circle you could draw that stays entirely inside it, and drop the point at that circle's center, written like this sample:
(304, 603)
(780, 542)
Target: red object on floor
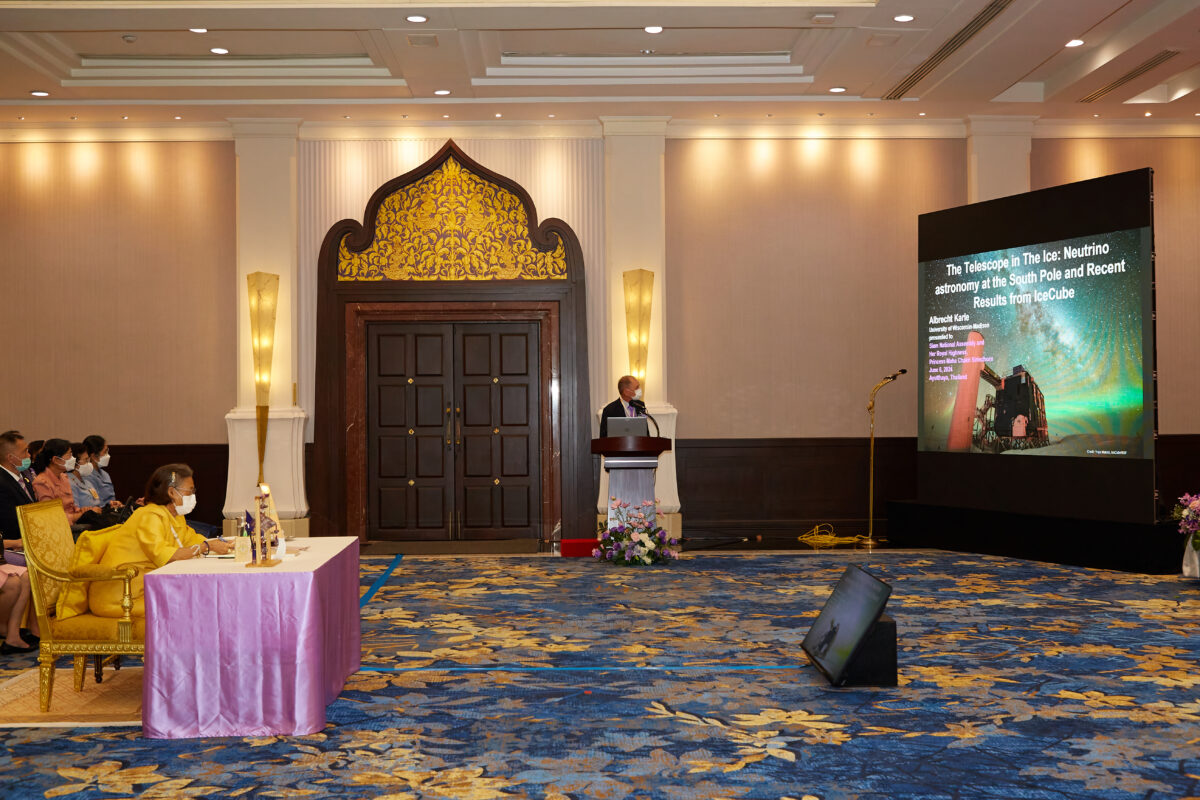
(577, 548)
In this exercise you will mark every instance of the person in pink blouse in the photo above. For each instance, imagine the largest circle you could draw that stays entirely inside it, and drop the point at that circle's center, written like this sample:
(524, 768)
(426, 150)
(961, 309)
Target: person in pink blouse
(52, 483)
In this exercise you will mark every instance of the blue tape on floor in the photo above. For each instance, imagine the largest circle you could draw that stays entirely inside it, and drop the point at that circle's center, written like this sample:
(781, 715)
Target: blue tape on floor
(610, 668)
(380, 581)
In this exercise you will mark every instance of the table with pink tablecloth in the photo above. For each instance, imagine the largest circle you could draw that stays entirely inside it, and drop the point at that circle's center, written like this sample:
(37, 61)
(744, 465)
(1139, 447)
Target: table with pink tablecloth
(237, 651)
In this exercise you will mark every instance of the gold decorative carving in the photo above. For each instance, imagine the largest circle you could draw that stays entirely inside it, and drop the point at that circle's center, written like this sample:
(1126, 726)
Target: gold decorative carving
(452, 225)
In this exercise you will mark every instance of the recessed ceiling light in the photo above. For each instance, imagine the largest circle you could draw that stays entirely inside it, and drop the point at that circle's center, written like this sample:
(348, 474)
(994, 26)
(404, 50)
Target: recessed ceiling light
(770, 115)
(445, 116)
(903, 18)
(218, 51)
(1197, 114)
(1075, 43)
(837, 89)
(21, 118)
(198, 30)
(404, 116)
(1148, 114)
(921, 114)
(647, 52)
(870, 113)
(124, 116)
(653, 29)
(345, 116)
(73, 117)
(178, 117)
(417, 18)
(820, 113)
(551, 116)
(716, 115)
(1095, 115)
(441, 92)
(39, 93)
(498, 115)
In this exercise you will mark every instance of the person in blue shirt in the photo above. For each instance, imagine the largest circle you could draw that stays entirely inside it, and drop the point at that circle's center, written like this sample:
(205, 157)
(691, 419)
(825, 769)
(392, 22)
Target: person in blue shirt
(98, 450)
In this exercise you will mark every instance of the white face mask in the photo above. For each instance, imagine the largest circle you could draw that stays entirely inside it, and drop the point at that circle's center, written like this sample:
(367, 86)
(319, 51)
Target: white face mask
(189, 504)
(69, 464)
(103, 461)
(637, 394)
(84, 471)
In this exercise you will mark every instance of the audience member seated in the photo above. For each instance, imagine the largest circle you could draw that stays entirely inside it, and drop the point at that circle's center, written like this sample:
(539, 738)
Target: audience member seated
(14, 579)
(156, 534)
(98, 449)
(82, 489)
(15, 490)
(35, 447)
(52, 465)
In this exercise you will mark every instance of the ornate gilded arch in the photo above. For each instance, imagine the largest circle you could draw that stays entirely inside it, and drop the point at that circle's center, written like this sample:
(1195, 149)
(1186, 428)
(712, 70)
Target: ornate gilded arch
(450, 240)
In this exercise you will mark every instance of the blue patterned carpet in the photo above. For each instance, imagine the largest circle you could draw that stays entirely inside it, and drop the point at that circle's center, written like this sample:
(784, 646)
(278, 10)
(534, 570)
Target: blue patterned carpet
(561, 678)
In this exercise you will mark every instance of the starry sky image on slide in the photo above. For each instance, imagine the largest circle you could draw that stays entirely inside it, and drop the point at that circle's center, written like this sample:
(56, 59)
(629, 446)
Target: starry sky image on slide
(1075, 313)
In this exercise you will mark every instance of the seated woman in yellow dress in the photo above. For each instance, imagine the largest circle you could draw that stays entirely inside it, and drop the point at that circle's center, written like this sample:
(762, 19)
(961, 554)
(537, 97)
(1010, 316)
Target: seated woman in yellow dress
(156, 534)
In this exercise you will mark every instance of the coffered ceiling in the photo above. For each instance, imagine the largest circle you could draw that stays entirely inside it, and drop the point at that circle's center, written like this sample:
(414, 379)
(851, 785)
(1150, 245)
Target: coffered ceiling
(577, 60)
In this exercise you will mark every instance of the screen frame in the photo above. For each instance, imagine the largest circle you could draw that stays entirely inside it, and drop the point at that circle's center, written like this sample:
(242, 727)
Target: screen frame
(1124, 490)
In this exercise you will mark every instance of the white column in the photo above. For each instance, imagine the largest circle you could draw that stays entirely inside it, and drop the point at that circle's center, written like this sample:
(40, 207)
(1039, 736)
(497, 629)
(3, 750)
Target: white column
(266, 242)
(635, 238)
(997, 156)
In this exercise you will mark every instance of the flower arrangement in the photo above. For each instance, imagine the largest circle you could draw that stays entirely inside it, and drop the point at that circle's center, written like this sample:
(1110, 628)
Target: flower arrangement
(1188, 514)
(634, 540)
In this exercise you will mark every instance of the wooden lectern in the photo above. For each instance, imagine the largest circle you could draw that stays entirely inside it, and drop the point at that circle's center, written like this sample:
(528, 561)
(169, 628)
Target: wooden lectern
(630, 462)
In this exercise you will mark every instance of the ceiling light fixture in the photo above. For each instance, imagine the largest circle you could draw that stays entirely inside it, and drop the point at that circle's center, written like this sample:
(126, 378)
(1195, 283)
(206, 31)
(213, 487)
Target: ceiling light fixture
(770, 115)
(198, 30)
(498, 115)
(445, 116)
(178, 117)
(551, 116)
(404, 116)
(417, 18)
(73, 117)
(441, 92)
(647, 52)
(716, 115)
(345, 116)
(1075, 43)
(39, 93)
(1148, 114)
(653, 29)
(903, 18)
(21, 118)
(921, 114)
(837, 89)
(1095, 115)
(124, 116)
(218, 51)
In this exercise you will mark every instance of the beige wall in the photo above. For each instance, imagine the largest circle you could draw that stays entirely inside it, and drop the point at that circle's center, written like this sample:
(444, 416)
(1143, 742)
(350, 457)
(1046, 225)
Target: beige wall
(118, 268)
(1176, 164)
(792, 280)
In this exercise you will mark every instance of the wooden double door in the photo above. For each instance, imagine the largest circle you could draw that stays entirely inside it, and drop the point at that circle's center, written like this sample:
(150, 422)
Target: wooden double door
(453, 431)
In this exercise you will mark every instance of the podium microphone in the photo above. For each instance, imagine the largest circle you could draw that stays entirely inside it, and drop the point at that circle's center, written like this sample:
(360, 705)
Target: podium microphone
(896, 374)
(640, 406)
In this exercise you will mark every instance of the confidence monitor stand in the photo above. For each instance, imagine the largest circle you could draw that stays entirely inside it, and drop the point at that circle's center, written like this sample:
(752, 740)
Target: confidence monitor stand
(630, 462)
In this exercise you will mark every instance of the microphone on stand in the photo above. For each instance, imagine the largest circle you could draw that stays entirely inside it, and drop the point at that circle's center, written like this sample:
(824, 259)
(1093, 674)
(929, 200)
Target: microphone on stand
(641, 407)
(896, 374)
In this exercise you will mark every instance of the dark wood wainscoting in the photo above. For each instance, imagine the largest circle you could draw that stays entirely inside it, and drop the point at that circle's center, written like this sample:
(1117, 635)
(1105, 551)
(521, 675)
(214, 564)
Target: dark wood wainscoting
(132, 465)
(780, 488)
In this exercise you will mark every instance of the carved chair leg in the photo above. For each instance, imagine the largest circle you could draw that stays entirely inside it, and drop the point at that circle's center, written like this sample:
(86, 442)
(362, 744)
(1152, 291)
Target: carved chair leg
(116, 662)
(45, 681)
(80, 671)
(99, 668)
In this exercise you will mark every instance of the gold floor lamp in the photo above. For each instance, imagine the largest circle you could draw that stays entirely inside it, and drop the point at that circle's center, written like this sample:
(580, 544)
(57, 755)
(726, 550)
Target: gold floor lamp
(263, 291)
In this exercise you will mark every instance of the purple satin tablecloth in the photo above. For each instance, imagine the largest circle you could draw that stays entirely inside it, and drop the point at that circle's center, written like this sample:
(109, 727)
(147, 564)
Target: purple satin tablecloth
(232, 651)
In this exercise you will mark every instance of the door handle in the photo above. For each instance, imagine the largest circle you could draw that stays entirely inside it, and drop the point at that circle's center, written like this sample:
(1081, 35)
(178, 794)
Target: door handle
(447, 424)
(457, 426)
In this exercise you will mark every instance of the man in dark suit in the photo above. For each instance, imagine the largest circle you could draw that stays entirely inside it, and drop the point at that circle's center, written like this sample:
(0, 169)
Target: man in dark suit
(15, 491)
(15, 488)
(629, 391)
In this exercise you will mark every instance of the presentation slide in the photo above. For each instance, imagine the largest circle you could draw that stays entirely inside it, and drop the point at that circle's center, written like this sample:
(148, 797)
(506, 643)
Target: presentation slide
(1039, 349)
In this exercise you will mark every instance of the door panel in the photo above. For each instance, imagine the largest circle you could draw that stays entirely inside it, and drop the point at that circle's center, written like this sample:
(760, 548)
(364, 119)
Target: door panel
(453, 437)
(409, 479)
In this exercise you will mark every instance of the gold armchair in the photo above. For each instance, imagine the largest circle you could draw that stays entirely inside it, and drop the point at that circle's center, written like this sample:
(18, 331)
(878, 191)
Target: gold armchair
(49, 550)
